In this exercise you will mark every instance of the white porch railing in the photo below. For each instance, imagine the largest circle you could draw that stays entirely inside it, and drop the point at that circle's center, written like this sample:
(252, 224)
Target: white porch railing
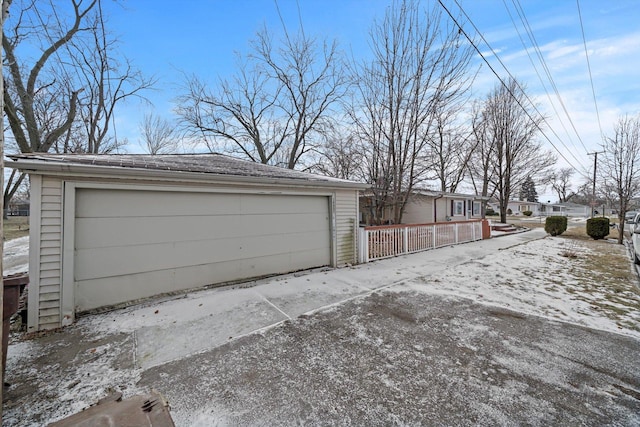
(377, 242)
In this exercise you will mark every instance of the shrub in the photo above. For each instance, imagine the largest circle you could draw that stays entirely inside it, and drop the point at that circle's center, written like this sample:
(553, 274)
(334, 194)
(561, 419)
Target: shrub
(490, 212)
(555, 225)
(598, 228)
(509, 212)
(527, 213)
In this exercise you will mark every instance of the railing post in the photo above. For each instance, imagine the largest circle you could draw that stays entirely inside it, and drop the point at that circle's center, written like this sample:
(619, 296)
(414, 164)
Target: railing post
(363, 246)
(455, 233)
(405, 240)
(434, 235)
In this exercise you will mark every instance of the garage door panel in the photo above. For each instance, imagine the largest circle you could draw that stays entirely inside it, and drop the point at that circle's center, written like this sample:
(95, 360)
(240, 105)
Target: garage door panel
(92, 203)
(277, 204)
(114, 231)
(125, 203)
(146, 258)
(126, 288)
(111, 232)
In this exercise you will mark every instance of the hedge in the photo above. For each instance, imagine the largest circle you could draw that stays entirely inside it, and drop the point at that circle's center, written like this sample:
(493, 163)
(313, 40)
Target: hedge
(598, 228)
(555, 225)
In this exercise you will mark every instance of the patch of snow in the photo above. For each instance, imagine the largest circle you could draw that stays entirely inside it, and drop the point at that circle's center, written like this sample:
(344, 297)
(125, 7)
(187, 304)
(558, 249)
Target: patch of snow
(16, 256)
(542, 285)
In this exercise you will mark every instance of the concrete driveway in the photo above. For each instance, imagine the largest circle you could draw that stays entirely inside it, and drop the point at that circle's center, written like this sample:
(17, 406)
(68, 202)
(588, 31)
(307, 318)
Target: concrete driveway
(355, 346)
(402, 358)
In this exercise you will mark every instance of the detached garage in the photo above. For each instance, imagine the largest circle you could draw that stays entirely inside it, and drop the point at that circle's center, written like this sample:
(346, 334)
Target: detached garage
(107, 230)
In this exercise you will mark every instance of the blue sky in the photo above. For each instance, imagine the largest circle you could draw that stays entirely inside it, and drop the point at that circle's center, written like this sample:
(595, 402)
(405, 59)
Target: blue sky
(167, 39)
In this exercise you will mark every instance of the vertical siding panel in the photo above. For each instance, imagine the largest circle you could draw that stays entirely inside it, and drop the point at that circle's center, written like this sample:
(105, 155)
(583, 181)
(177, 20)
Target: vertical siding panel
(35, 218)
(346, 223)
(50, 232)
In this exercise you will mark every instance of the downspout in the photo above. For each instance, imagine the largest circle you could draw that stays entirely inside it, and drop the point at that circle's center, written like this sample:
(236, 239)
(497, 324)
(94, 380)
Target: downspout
(435, 208)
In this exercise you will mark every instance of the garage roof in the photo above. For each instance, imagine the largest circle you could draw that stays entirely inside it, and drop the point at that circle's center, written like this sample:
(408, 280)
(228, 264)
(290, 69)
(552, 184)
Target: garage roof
(168, 166)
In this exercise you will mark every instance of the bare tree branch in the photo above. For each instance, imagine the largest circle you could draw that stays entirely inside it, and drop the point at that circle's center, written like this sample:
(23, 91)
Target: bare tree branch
(277, 106)
(621, 165)
(510, 130)
(420, 65)
(158, 135)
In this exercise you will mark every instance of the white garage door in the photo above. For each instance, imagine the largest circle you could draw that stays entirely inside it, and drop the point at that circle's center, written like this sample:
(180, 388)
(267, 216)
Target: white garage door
(136, 244)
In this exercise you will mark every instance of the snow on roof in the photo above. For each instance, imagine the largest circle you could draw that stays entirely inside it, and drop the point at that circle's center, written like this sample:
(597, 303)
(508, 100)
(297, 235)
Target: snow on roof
(211, 164)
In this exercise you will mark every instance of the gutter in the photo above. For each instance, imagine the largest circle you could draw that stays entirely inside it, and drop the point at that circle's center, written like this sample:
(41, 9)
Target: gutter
(435, 207)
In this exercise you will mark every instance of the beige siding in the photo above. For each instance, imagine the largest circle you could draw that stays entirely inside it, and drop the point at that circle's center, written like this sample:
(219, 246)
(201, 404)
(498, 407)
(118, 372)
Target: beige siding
(50, 253)
(443, 209)
(418, 211)
(346, 222)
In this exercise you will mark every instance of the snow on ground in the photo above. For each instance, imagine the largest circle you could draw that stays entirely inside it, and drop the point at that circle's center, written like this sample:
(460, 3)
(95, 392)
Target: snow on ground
(16, 256)
(535, 278)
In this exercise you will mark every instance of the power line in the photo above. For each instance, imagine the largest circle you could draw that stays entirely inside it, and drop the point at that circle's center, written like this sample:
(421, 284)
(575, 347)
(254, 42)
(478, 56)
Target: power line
(586, 54)
(536, 47)
(461, 29)
(284, 26)
(538, 73)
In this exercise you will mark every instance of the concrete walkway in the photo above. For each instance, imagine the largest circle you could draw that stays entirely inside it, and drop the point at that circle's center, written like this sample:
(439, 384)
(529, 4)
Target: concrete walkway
(169, 330)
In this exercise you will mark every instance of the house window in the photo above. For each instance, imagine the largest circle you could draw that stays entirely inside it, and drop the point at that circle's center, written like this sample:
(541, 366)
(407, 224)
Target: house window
(524, 208)
(476, 209)
(458, 207)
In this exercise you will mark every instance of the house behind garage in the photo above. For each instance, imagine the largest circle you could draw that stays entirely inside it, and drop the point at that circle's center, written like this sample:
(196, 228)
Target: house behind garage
(107, 230)
(426, 206)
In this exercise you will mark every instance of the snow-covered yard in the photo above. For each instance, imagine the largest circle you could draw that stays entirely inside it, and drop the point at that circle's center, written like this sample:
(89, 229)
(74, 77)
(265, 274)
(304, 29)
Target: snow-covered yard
(520, 329)
(552, 278)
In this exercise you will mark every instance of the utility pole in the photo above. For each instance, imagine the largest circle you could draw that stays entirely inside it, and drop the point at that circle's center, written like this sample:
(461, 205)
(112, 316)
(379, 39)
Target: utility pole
(4, 11)
(593, 191)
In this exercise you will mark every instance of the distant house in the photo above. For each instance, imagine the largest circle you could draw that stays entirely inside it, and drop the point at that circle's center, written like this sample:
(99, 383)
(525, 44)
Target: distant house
(518, 207)
(17, 207)
(552, 209)
(575, 209)
(426, 206)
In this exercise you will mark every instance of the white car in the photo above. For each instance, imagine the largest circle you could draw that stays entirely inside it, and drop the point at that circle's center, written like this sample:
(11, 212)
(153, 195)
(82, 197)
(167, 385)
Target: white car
(631, 223)
(634, 228)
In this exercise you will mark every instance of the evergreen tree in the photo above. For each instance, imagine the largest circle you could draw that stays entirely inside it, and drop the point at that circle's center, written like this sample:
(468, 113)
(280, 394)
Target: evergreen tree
(528, 190)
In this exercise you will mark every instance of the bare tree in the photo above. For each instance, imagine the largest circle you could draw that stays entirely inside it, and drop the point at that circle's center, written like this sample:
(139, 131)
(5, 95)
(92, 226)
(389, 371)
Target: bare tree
(561, 184)
(278, 105)
(158, 135)
(419, 66)
(450, 149)
(241, 117)
(28, 86)
(511, 125)
(480, 163)
(340, 156)
(64, 99)
(108, 78)
(38, 106)
(621, 165)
